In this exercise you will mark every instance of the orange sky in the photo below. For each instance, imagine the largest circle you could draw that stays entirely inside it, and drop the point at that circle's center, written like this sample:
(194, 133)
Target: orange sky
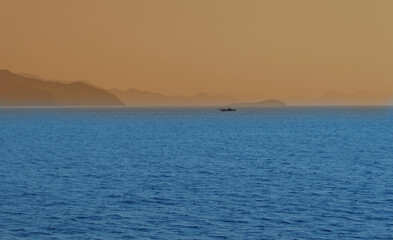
(270, 48)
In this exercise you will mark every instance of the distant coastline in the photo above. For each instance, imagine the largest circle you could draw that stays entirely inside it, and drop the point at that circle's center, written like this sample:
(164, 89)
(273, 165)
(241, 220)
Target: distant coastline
(28, 90)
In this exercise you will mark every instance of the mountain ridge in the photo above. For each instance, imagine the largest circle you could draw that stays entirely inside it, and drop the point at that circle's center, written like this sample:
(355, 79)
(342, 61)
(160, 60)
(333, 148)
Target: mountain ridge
(19, 90)
(134, 97)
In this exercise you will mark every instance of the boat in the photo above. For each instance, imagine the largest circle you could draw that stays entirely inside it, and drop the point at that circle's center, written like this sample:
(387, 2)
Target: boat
(226, 109)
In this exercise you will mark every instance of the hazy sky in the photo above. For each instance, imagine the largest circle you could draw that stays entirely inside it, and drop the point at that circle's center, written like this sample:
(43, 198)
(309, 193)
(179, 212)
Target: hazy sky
(267, 48)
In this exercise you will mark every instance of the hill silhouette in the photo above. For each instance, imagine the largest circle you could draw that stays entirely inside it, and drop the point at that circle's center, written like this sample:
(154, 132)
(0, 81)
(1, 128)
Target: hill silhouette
(133, 97)
(19, 90)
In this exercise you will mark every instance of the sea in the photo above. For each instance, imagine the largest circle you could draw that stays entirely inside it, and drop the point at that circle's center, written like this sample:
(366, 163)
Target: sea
(196, 173)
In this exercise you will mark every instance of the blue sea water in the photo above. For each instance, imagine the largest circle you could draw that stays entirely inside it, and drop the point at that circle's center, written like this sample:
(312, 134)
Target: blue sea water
(196, 173)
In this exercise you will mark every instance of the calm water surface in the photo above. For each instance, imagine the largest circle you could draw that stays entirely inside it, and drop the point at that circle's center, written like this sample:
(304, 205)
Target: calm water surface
(282, 173)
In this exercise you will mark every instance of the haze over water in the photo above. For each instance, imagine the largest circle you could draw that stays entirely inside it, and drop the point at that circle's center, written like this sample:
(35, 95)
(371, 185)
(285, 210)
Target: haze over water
(196, 173)
(295, 51)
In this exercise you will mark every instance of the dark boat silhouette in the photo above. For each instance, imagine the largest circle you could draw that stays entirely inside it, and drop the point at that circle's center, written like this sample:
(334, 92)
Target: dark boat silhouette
(226, 109)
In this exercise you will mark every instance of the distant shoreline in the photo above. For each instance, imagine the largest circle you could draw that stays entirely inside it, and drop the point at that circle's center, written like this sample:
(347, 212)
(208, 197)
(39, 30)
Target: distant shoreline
(201, 106)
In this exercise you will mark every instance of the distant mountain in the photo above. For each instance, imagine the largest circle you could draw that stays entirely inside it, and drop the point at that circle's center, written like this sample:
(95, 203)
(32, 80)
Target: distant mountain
(29, 90)
(133, 97)
(265, 103)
